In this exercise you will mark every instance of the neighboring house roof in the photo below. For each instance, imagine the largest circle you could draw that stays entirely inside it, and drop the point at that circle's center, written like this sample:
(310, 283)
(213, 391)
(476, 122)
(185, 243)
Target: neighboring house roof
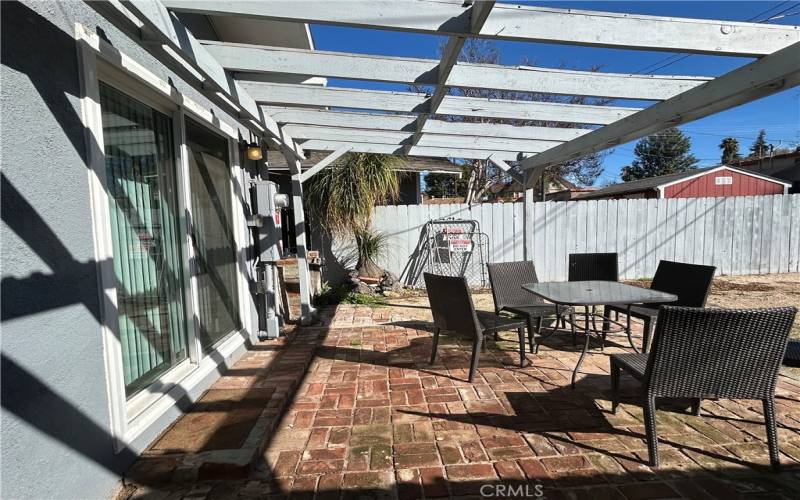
(663, 180)
(410, 163)
(766, 159)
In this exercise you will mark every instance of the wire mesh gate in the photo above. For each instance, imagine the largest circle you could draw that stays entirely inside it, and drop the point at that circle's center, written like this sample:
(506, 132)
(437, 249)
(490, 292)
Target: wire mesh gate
(457, 247)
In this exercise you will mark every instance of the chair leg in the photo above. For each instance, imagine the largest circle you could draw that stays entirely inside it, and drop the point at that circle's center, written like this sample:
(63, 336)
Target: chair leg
(435, 344)
(614, 386)
(772, 434)
(696, 406)
(476, 351)
(647, 329)
(531, 330)
(650, 429)
(521, 335)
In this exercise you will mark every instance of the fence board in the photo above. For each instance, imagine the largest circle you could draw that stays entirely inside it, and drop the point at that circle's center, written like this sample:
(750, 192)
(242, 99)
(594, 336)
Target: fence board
(743, 235)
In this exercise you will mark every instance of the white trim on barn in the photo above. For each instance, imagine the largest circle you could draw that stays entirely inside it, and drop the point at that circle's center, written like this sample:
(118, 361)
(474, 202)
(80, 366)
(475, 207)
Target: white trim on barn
(661, 187)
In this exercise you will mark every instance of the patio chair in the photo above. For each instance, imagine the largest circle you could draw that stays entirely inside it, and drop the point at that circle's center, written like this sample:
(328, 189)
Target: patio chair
(792, 356)
(690, 282)
(453, 310)
(592, 267)
(506, 280)
(709, 353)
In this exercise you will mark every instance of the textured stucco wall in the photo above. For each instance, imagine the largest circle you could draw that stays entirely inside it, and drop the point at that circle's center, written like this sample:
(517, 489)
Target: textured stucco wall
(55, 416)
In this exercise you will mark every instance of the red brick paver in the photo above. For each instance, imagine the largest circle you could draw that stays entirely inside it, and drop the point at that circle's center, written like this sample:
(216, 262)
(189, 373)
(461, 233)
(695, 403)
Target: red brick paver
(373, 418)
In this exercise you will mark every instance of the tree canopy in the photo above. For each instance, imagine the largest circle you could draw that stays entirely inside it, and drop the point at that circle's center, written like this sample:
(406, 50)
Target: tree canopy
(760, 146)
(481, 175)
(730, 151)
(666, 152)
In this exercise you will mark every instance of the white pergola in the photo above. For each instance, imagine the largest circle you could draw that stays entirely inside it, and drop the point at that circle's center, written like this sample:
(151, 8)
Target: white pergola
(297, 117)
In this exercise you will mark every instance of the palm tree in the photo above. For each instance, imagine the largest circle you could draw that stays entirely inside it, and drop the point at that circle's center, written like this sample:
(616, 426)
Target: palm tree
(341, 199)
(730, 150)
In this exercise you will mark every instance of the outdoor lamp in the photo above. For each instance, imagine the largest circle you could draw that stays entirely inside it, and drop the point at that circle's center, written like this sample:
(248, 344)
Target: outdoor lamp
(254, 151)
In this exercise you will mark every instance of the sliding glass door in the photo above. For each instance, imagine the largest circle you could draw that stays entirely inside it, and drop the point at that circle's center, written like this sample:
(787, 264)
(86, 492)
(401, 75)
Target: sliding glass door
(212, 234)
(142, 189)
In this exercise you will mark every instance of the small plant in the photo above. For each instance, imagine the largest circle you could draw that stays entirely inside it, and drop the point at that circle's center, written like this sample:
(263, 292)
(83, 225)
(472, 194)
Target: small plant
(364, 299)
(342, 294)
(370, 246)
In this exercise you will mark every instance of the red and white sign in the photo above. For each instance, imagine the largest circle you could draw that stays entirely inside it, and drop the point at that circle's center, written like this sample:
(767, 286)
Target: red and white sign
(457, 240)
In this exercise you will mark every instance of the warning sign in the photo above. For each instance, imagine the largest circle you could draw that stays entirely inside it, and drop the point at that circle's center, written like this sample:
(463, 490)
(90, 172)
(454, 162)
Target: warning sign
(457, 240)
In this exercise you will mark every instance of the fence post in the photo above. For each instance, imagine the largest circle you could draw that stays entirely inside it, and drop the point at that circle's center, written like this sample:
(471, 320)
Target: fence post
(527, 224)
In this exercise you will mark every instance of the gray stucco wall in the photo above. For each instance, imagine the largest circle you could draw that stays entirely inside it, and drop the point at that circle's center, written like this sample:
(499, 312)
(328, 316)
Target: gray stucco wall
(55, 409)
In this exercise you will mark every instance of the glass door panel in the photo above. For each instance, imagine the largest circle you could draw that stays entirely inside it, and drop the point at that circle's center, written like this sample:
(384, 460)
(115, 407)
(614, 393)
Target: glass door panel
(142, 189)
(212, 234)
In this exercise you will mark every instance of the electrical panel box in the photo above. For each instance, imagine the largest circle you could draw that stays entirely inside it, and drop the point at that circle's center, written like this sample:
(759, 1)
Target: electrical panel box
(268, 203)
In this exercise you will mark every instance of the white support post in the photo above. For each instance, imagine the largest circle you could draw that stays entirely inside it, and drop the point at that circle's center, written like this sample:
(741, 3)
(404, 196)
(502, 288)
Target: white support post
(527, 223)
(306, 308)
(324, 163)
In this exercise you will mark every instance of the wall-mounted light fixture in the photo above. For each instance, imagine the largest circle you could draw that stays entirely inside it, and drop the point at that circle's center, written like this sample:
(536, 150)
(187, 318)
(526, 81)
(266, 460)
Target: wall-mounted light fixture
(254, 150)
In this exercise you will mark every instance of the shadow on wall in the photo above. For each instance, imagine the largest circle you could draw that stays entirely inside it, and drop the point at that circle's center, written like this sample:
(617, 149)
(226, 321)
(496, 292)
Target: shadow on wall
(27, 35)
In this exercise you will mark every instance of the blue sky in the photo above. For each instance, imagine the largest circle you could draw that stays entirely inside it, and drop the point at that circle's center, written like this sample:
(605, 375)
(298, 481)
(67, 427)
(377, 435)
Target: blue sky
(778, 114)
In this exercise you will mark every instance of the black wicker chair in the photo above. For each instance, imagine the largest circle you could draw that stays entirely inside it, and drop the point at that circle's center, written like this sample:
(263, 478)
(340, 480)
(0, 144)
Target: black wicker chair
(792, 356)
(710, 353)
(593, 267)
(453, 310)
(690, 282)
(506, 280)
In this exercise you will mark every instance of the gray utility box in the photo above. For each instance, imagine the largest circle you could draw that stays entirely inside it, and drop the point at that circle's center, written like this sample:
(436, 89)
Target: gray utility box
(267, 224)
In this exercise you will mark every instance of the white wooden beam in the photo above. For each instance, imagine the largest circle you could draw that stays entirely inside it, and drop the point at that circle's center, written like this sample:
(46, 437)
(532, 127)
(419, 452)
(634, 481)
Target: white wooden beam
(161, 34)
(324, 163)
(301, 132)
(424, 151)
(768, 75)
(409, 102)
(505, 167)
(522, 23)
(261, 59)
(406, 123)
(478, 13)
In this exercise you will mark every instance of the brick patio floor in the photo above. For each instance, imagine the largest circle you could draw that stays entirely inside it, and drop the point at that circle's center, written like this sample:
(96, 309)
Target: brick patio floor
(372, 418)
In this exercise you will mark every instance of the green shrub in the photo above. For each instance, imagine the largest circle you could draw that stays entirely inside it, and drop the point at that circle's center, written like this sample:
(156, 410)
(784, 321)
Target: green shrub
(342, 294)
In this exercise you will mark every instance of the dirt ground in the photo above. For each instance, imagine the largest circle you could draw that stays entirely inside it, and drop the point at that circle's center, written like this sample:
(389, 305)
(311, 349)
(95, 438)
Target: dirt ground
(771, 290)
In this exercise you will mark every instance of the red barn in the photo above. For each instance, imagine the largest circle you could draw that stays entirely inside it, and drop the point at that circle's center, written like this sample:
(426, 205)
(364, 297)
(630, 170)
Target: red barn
(710, 182)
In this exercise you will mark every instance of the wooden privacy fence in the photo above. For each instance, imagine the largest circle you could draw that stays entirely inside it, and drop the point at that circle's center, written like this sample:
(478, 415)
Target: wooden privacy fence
(741, 235)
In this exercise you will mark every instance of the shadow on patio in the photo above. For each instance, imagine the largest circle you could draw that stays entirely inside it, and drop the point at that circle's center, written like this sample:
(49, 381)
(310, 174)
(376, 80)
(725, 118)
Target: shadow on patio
(372, 418)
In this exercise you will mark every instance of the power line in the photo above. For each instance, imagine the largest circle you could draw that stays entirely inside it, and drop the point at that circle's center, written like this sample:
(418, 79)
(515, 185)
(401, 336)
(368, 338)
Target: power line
(670, 60)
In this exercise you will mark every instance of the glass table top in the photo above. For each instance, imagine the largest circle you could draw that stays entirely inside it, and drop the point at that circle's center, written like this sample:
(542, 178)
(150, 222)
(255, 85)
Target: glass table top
(597, 293)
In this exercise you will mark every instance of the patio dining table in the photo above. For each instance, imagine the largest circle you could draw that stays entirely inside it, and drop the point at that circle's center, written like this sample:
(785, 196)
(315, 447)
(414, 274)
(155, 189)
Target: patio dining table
(595, 293)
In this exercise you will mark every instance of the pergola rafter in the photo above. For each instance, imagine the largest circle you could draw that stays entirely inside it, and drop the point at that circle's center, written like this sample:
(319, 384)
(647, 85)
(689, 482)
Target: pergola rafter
(246, 58)
(521, 23)
(478, 13)
(164, 36)
(766, 76)
(408, 122)
(289, 95)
